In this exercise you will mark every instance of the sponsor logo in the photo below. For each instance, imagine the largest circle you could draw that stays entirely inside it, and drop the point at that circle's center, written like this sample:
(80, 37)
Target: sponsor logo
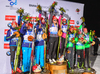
(32, 5)
(77, 26)
(72, 22)
(12, 2)
(77, 10)
(5, 31)
(6, 46)
(6, 43)
(10, 17)
(77, 22)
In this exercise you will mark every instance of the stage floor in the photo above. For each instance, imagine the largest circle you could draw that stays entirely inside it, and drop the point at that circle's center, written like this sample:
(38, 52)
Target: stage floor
(95, 62)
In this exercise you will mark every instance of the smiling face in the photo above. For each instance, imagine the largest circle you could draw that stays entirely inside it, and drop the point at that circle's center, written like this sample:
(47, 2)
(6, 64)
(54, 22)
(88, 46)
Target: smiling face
(14, 25)
(72, 30)
(55, 21)
(43, 21)
(79, 32)
(28, 27)
(64, 22)
(85, 31)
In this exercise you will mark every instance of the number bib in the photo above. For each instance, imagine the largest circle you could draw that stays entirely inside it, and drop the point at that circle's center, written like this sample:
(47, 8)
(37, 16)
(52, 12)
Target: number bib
(28, 33)
(71, 36)
(64, 28)
(39, 36)
(87, 37)
(53, 29)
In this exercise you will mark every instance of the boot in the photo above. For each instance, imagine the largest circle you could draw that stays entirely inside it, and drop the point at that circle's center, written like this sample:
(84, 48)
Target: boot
(13, 72)
(54, 60)
(19, 70)
(42, 69)
(50, 61)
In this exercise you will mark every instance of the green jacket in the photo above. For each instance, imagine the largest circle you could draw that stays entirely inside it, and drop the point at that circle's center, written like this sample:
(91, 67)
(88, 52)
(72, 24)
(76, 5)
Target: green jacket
(79, 45)
(88, 38)
(70, 44)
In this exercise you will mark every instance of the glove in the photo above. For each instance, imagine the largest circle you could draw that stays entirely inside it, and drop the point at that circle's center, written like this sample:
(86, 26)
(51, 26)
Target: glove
(90, 42)
(83, 42)
(68, 30)
(93, 42)
(60, 32)
(16, 33)
(13, 36)
(45, 39)
(44, 36)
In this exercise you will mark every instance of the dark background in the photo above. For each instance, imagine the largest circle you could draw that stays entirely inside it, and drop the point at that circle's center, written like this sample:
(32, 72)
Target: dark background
(91, 14)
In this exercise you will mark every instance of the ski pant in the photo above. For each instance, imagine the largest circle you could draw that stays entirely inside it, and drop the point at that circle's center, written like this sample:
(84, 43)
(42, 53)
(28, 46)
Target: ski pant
(39, 55)
(80, 58)
(95, 49)
(26, 58)
(62, 45)
(87, 57)
(53, 46)
(70, 56)
(12, 51)
(75, 57)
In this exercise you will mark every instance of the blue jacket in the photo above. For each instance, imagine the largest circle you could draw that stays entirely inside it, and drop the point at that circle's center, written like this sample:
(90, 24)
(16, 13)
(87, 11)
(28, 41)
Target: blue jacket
(26, 32)
(13, 41)
(39, 40)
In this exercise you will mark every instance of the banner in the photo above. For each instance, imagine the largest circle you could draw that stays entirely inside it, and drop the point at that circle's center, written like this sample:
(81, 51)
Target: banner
(8, 10)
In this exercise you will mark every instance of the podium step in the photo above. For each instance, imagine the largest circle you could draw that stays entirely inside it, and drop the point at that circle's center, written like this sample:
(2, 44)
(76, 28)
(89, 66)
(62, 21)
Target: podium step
(58, 68)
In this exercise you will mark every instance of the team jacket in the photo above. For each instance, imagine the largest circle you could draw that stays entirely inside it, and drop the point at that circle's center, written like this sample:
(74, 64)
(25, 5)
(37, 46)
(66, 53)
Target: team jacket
(70, 44)
(53, 31)
(26, 32)
(39, 40)
(79, 45)
(89, 39)
(64, 30)
(13, 41)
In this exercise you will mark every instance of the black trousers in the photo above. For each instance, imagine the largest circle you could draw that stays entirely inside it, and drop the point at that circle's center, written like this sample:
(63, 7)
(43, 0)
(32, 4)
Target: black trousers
(70, 56)
(12, 51)
(62, 45)
(53, 41)
(87, 57)
(80, 58)
(95, 49)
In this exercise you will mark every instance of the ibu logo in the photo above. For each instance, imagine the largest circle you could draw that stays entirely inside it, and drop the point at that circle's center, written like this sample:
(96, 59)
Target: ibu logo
(13, 2)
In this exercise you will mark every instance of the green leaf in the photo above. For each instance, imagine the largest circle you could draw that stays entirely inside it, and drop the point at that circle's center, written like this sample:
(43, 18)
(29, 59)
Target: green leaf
(39, 8)
(20, 11)
(62, 9)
